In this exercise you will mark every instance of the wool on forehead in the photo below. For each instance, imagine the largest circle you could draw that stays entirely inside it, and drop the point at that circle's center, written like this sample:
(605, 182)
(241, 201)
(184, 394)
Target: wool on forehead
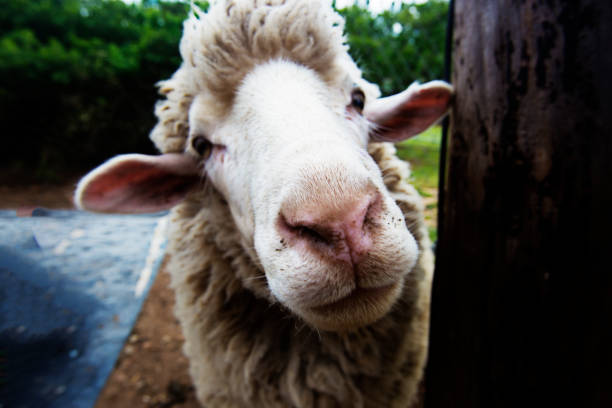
(220, 47)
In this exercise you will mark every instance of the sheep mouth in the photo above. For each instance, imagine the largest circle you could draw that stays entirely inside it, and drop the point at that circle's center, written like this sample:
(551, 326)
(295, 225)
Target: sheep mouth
(358, 300)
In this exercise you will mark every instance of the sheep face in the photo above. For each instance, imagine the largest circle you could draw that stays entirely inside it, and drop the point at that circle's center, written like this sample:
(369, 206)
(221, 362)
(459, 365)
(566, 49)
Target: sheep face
(290, 158)
(291, 161)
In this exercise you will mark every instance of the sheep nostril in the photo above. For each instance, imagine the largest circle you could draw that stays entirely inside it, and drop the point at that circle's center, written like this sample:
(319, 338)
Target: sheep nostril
(310, 234)
(304, 232)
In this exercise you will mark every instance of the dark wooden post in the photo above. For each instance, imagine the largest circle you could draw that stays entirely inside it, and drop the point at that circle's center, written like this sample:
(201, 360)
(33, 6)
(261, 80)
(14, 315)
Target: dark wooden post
(522, 299)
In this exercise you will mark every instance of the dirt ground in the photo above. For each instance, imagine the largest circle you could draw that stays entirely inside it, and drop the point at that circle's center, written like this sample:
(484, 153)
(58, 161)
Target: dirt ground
(151, 371)
(28, 197)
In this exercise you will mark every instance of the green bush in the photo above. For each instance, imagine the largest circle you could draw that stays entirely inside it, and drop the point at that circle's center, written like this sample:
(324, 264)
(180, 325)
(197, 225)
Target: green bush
(77, 76)
(400, 46)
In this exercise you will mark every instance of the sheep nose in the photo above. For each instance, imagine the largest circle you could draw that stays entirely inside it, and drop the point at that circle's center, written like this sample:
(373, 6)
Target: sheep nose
(340, 231)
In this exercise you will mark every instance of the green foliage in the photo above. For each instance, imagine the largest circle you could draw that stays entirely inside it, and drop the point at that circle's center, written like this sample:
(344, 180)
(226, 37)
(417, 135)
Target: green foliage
(77, 80)
(400, 46)
(81, 40)
(77, 76)
(423, 153)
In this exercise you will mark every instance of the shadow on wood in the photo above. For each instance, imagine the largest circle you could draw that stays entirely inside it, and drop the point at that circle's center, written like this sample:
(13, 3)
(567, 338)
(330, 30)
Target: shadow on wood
(522, 296)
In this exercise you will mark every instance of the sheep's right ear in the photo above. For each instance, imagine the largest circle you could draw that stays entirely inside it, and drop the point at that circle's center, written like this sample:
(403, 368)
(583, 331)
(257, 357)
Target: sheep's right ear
(136, 183)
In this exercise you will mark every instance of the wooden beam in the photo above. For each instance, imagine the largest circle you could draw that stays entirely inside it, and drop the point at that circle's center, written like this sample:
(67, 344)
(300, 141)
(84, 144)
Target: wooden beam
(522, 298)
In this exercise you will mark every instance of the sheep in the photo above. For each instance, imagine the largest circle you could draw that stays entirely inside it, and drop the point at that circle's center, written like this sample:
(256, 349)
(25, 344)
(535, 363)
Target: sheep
(297, 249)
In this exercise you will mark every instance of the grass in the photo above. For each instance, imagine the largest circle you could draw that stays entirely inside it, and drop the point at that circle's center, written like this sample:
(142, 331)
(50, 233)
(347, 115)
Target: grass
(423, 154)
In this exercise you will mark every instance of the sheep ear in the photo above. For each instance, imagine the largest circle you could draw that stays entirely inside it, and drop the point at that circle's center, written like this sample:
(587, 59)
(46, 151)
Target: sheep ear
(135, 183)
(410, 112)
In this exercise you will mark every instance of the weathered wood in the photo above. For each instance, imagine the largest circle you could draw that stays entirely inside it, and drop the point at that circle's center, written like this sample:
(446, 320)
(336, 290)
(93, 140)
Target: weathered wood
(522, 300)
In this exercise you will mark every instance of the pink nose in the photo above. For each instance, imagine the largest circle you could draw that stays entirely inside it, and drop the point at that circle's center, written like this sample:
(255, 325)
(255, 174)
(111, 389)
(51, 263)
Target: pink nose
(340, 231)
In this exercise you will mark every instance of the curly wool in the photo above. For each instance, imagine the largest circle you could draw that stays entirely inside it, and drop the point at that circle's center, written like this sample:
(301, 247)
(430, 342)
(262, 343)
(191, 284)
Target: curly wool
(221, 47)
(246, 350)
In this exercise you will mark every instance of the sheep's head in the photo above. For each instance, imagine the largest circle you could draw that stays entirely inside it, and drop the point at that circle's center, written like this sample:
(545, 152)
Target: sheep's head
(289, 156)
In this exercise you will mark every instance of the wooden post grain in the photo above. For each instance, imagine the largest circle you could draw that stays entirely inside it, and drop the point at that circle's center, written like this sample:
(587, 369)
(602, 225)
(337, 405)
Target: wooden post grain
(522, 299)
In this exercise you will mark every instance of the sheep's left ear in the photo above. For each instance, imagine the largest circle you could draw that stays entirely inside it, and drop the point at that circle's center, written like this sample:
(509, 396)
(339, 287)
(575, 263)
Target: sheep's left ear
(410, 112)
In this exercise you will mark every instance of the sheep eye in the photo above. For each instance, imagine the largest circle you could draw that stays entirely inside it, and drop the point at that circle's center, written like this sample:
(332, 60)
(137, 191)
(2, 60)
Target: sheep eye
(358, 99)
(202, 146)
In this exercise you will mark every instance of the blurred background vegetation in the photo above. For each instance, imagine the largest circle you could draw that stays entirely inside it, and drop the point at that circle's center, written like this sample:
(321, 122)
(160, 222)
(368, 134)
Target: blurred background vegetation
(77, 76)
